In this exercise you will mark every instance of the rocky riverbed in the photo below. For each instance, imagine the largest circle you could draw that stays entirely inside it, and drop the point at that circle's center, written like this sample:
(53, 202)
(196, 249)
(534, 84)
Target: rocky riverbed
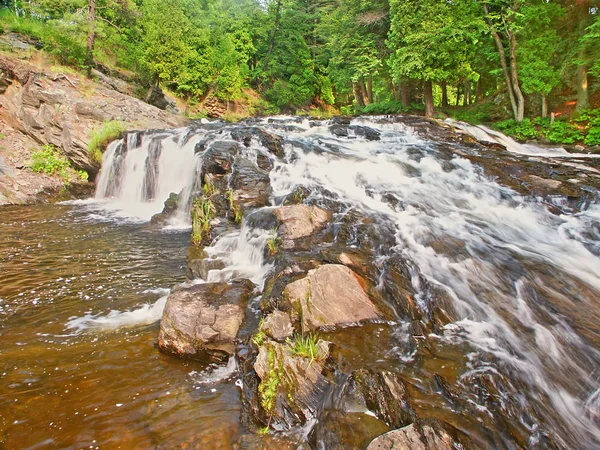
(377, 281)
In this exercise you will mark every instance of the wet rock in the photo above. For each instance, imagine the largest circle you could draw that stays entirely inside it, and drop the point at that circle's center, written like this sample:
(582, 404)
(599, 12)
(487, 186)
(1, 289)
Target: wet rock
(339, 130)
(368, 133)
(382, 393)
(341, 431)
(329, 296)
(270, 141)
(158, 98)
(292, 387)
(199, 264)
(252, 185)
(278, 326)
(219, 157)
(300, 221)
(202, 321)
(425, 434)
(169, 209)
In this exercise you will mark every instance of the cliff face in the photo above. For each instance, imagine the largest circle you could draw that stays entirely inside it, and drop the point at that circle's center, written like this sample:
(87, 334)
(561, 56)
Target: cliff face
(45, 106)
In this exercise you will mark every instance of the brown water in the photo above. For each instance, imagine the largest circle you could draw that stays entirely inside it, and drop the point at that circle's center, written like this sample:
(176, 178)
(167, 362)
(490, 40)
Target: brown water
(103, 386)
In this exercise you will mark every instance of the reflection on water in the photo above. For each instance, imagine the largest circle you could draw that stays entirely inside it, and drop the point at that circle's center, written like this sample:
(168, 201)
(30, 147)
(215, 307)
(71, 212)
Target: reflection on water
(98, 386)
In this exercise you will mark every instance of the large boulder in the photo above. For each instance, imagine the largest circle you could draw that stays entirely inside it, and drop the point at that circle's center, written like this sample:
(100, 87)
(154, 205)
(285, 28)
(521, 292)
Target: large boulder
(425, 434)
(329, 296)
(202, 321)
(271, 142)
(300, 221)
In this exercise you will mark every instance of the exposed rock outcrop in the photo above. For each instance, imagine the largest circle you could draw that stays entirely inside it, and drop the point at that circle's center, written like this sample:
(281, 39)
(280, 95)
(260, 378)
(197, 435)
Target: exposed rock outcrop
(202, 321)
(62, 110)
(329, 296)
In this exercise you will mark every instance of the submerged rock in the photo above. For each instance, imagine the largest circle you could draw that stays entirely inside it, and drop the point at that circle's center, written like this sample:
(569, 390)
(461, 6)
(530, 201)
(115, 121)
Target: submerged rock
(341, 431)
(428, 434)
(203, 320)
(383, 393)
(331, 295)
(300, 221)
(370, 134)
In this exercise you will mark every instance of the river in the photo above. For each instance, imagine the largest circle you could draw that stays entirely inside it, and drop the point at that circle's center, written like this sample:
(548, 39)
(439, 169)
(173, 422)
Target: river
(83, 284)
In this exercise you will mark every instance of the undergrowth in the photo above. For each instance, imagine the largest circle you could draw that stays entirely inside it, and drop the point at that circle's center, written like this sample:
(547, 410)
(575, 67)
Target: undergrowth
(50, 161)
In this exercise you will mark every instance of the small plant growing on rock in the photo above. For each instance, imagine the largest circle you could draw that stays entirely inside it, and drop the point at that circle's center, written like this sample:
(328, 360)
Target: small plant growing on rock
(234, 207)
(305, 346)
(268, 387)
(273, 243)
(208, 189)
(103, 136)
(260, 335)
(50, 161)
(201, 215)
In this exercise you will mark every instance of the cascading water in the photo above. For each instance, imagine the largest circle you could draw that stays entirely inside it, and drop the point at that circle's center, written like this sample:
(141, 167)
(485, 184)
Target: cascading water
(518, 276)
(140, 171)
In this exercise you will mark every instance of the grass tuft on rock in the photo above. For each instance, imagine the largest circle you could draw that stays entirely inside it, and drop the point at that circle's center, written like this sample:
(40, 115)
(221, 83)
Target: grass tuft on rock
(101, 137)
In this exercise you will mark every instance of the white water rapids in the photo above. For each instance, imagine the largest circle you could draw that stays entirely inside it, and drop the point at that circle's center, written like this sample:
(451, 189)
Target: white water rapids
(524, 282)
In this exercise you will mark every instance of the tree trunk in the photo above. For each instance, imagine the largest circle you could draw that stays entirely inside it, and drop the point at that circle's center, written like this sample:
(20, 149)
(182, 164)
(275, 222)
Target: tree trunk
(457, 95)
(515, 78)
(504, 64)
(370, 89)
(405, 94)
(89, 56)
(273, 35)
(429, 110)
(358, 95)
(444, 86)
(16, 9)
(363, 91)
(479, 90)
(544, 106)
(583, 101)
(466, 96)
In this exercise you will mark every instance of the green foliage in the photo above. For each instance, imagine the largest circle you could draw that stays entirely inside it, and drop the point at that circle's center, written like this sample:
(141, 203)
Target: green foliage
(273, 244)
(305, 346)
(202, 210)
(268, 387)
(385, 107)
(563, 133)
(51, 161)
(101, 137)
(521, 130)
(260, 336)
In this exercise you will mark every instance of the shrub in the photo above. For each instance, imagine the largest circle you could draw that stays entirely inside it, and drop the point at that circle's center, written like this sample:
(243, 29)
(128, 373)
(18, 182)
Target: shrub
(521, 130)
(563, 133)
(385, 107)
(50, 161)
(101, 137)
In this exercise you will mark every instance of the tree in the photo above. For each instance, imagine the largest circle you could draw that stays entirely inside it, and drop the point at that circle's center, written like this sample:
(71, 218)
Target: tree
(433, 41)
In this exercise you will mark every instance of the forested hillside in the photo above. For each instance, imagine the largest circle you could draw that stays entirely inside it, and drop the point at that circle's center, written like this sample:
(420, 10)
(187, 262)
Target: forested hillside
(516, 58)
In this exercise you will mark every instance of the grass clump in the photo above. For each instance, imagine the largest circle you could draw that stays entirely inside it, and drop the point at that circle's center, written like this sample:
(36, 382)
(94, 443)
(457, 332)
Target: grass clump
(101, 137)
(234, 207)
(273, 245)
(202, 210)
(50, 161)
(305, 346)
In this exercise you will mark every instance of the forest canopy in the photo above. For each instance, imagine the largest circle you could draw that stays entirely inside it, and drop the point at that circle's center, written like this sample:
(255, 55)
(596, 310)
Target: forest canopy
(358, 54)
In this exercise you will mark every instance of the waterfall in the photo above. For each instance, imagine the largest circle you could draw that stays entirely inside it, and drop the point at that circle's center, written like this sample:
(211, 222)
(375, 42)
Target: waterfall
(140, 171)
